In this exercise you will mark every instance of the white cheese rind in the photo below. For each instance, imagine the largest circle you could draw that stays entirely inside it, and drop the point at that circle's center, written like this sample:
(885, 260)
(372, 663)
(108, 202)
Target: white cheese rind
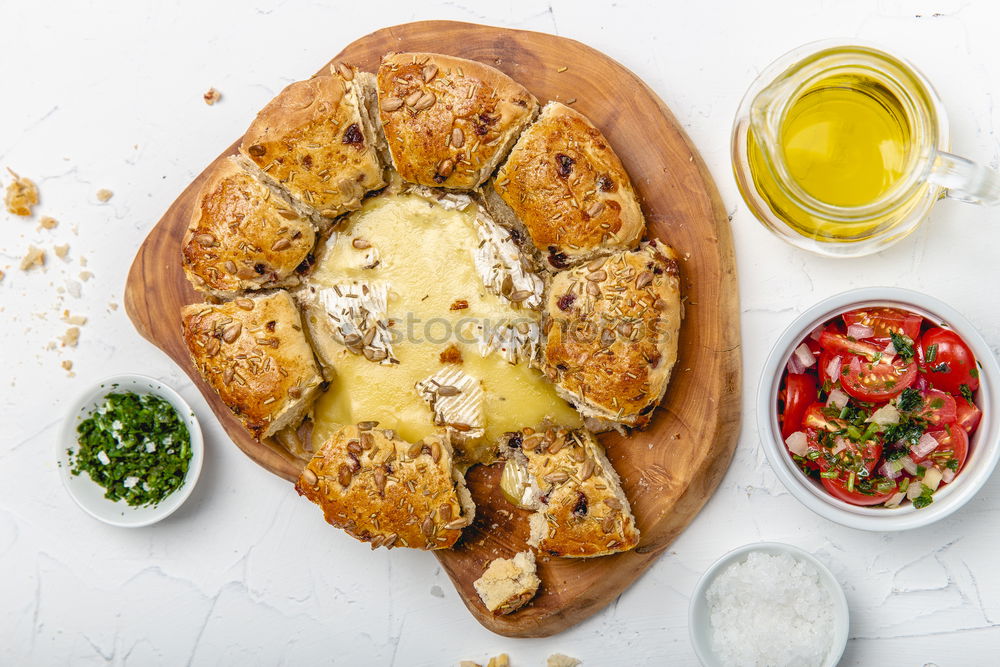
(459, 406)
(357, 312)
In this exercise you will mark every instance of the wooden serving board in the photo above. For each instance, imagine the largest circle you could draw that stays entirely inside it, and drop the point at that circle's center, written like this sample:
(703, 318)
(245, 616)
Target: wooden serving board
(669, 470)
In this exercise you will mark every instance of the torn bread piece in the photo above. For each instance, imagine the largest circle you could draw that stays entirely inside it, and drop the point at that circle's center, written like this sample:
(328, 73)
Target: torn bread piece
(389, 492)
(580, 508)
(456, 400)
(564, 186)
(611, 329)
(253, 353)
(508, 584)
(242, 236)
(449, 121)
(351, 314)
(504, 269)
(317, 141)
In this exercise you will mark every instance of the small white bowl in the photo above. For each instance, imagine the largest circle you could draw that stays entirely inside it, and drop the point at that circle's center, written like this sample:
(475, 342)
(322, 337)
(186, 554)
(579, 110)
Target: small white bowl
(984, 446)
(88, 494)
(699, 615)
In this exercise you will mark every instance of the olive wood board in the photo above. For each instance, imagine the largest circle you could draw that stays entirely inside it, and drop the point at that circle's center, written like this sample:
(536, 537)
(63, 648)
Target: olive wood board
(668, 470)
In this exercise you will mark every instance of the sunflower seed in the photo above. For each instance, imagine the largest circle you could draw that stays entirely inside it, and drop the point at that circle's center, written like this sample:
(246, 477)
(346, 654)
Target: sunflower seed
(345, 72)
(232, 332)
(413, 97)
(593, 290)
(608, 524)
(391, 103)
(354, 447)
(414, 450)
(344, 475)
(444, 513)
(457, 524)
(244, 303)
(519, 295)
(229, 266)
(445, 168)
(205, 240)
(597, 276)
(557, 445)
(367, 426)
(556, 477)
(607, 337)
(448, 390)
(288, 214)
(644, 279)
(361, 244)
(457, 138)
(281, 244)
(352, 340)
(595, 264)
(380, 480)
(295, 392)
(371, 354)
(427, 527)
(426, 101)
(596, 209)
(587, 470)
(227, 375)
(435, 451)
(212, 347)
(625, 329)
(613, 503)
(310, 477)
(430, 71)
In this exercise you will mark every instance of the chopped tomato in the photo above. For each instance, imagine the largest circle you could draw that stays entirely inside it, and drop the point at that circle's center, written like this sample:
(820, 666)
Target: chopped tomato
(816, 418)
(967, 416)
(885, 321)
(953, 444)
(838, 489)
(838, 343)
(939, 407)
(800, 390)
(947, 361)
(879, 380)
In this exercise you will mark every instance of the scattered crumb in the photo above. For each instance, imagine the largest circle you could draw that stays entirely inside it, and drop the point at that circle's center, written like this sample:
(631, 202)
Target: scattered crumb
(211, 96)
(451, 355)
(83, 261)
(459, 304)
(67, 364)
(560, 660)
(469, 663)
(48, 222)
(571, 100)
(71, 337)
(34, 257)
(61, 250)
(86, 275)
(501, 660)
(104, 195)
(562, 69)
(113, 306)
(73, 319)
(22, 194)
(436, 591)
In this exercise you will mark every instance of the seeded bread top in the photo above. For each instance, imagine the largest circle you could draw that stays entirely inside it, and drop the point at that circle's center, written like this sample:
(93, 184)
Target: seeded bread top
(611, 331)
(581, 509)
(449, 121)
(242, 236)
(569, 190)
(386, 491)
(253, 353)
(314, 141)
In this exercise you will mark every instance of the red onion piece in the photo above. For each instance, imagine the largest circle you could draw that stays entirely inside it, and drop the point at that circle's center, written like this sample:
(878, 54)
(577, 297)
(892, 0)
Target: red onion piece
(948, 475)
(924, 446)
(794, 365)
(890, 350)
(889, 469)
(805, 355)
(908, 465)
(797, 443)
(837, 399)
(833, 368)
(859, 331)
(817, 332)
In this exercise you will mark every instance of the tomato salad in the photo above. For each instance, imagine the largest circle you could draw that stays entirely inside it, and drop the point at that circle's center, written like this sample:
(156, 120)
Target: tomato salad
(878, 404)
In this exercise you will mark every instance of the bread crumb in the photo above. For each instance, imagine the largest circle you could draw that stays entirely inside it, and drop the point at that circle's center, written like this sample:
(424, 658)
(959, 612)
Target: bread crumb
(571, 100)
(61, 250)
(67, 364)
(560, 660)
(469, 663)
(22, 194)
(459, 304)
(48, 222)
(113, 306)
(83, 261)
(2, 275)
(73, 319)
(71, 337)
(103, 195)
(562, 69)
(502, 660)
(211, 96)
(34, 257)
(86, 275)
(451, 355)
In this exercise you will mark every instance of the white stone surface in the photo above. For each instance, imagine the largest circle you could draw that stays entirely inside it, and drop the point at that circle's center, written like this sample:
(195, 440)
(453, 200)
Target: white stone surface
(108, 95)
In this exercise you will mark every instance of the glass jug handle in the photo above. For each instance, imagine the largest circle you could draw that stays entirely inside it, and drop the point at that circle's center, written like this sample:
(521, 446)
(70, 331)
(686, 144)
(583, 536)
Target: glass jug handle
(965, 180)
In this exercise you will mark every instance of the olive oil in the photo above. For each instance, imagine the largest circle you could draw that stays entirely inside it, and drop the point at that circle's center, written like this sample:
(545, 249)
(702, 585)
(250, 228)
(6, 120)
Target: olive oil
(845, 141)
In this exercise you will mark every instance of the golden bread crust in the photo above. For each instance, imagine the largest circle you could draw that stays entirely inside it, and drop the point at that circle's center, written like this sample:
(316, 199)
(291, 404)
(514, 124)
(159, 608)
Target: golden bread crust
(582, 511)
(449, 121)
(242, 237)
(386, 491)
(253, 353)
(313, 141)
(611, 330)
(569, 189)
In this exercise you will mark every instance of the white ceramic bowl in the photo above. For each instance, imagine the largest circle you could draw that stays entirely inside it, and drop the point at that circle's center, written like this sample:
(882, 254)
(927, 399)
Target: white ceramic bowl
(87, 493)
(984, 445)
(699, 619)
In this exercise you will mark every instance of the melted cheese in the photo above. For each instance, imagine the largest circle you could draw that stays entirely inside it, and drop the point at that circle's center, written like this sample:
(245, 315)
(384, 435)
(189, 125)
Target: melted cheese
(426, 252)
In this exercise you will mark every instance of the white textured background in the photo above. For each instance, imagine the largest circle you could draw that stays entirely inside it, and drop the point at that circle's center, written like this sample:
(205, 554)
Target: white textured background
(108, 95)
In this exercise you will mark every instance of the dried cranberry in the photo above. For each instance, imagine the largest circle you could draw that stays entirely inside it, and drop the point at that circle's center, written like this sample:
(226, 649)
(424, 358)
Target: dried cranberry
(307, 161)
(580, 509)
(557, 259)
(306, 263)
(259, 268)
(270, 326)
(515, 440)
(566, 301)
(605, 184)
(353, 135)
(564, 164)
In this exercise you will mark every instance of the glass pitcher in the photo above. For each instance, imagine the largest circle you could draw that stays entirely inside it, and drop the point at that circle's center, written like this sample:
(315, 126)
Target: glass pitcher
(861, 194)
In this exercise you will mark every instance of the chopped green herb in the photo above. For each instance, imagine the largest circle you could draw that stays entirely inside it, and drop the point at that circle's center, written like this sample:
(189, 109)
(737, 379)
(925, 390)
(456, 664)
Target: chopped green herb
(135, 446)
(952, 464)
(829, 474)
(943, 367)
(974, 372)
(903, 345)
(930, 354)
(909, 400)
(966, 393)
(925, 498)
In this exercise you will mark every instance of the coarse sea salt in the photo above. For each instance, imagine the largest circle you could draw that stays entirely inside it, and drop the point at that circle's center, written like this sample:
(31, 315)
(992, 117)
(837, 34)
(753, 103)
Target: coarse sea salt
(770, 610)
